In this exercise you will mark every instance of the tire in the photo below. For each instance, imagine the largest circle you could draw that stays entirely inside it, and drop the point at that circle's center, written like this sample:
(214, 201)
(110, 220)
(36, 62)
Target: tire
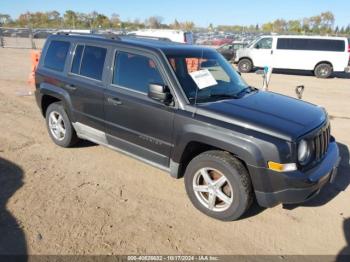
(237, 189)
(323, 70)
(67, 138)
(245, 65)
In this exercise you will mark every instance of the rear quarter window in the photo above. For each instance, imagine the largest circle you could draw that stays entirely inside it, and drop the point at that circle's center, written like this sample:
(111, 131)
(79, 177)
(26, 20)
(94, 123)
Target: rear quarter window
(56, 55)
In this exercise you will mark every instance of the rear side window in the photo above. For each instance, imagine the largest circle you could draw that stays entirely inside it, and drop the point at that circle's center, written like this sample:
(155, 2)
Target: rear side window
(135, 72)
(311, 44)
(56, 55)
(89, 61)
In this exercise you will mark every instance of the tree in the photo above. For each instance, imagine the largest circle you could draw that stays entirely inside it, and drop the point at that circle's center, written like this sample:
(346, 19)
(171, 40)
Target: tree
(154, 22)
(347, 30)
(70, 18)
(115, 20)
(175, 25)
(315, 23)
(336, 30)
(54, 19)
(5, 19)
(280, 25)
(268, 27)
(294, 26)
(102, 21)
(327, 22)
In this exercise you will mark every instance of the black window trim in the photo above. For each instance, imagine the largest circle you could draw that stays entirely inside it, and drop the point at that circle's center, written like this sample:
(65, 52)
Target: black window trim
(134, 52)
(70, 73)
(42, 64)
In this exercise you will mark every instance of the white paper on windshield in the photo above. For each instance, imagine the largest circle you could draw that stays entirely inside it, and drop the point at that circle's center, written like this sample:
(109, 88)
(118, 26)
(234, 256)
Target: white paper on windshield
(203, 78)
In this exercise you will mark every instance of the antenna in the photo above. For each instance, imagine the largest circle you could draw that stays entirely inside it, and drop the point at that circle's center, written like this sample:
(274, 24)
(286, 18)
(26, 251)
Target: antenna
(196, 95)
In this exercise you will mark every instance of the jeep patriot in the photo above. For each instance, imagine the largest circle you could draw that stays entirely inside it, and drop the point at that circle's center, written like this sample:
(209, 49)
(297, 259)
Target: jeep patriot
(184, 109)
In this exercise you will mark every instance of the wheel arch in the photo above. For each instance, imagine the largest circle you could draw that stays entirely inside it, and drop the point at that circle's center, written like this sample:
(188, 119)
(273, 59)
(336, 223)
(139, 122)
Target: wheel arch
(187, 151)
(246, 57)
(323, 62)
(51, 94)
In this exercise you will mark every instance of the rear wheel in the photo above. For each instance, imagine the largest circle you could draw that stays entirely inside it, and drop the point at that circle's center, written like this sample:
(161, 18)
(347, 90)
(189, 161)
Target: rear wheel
(323, 70)
(245, 65)
(218, 185)
(59, 126)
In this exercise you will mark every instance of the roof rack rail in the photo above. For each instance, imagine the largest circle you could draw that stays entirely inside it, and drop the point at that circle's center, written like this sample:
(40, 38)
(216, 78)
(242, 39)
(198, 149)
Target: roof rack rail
(108, 35)
(149, 37)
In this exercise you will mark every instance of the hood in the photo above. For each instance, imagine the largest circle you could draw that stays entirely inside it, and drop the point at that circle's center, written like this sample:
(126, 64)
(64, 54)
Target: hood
(271, 113)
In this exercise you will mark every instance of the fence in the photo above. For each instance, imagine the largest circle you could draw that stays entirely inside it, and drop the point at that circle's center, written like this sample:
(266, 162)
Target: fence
(20, 38)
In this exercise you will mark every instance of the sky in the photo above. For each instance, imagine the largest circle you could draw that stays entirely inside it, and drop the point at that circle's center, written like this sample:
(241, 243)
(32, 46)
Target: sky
(202, 12)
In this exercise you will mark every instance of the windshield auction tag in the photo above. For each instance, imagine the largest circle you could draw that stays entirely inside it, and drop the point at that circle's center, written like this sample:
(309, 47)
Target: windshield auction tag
(203, 78)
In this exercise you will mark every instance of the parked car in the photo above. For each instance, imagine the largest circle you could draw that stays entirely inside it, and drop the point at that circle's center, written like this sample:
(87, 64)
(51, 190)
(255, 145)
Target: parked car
(229, 50)
(219, 41)
(173, 35)
(322, 55)
(184, 109)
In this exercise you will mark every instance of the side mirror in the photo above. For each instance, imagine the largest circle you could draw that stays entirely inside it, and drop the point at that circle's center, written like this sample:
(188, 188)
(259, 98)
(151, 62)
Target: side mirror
(160, 93)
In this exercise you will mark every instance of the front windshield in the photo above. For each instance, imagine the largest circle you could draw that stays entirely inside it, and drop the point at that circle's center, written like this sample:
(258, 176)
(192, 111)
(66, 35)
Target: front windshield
(253, 42)
(227, 83)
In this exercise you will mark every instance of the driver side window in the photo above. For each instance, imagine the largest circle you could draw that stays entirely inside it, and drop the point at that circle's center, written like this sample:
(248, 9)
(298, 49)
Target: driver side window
(265, 43)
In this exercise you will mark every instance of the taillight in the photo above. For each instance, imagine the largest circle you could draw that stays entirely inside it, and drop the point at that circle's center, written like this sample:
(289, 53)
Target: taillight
(349, 48)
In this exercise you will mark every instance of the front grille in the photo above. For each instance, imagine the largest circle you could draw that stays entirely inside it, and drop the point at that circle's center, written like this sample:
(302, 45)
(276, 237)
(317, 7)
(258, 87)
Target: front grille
(321, 141)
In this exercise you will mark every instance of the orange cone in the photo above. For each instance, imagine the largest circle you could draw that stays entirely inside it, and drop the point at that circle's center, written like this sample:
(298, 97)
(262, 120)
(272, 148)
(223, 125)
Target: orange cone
(35, 56)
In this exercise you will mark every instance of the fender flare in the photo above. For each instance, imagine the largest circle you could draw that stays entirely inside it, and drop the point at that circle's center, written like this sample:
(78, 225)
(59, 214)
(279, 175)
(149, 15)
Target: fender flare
(241, 146)
(59, 93)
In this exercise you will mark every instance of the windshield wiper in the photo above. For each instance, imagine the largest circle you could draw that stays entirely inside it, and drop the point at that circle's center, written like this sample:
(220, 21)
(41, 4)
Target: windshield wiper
(246, 90)
(223, 95)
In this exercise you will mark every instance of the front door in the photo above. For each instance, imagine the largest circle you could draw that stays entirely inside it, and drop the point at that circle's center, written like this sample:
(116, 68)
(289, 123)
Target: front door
(134, 122)
(262, 52)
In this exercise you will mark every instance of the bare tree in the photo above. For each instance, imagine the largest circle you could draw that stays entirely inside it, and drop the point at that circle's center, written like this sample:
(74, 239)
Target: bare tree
(154, 22)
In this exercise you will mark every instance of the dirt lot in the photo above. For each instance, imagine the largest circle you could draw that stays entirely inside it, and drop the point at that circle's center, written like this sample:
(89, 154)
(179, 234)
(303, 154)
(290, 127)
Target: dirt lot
(91, 200)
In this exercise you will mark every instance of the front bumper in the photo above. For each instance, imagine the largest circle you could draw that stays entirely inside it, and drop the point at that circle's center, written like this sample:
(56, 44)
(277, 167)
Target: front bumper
(273, 188)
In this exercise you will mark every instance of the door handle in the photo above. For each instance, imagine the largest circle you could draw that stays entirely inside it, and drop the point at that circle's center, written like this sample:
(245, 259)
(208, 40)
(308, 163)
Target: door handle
(271, 52)
(70, 87)
(114, 101)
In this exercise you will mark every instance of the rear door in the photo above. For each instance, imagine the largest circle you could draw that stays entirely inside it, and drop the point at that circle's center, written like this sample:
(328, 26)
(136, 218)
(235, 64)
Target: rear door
(87, 77)
(134, 122)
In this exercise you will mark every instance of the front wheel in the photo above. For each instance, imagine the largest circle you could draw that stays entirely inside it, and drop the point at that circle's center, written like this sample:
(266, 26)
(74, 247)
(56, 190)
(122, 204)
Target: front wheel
(245, 65)
(218, 185)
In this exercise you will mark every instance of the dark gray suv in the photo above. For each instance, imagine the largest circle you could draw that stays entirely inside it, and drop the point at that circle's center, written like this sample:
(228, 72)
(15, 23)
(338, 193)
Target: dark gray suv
(184, 109)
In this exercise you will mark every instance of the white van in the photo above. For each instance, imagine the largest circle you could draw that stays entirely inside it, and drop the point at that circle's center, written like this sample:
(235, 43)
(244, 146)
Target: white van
(173, 35)
(322, 55)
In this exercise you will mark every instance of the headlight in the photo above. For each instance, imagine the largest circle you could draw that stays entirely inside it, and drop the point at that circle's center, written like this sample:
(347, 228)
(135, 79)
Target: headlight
(303, 152)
